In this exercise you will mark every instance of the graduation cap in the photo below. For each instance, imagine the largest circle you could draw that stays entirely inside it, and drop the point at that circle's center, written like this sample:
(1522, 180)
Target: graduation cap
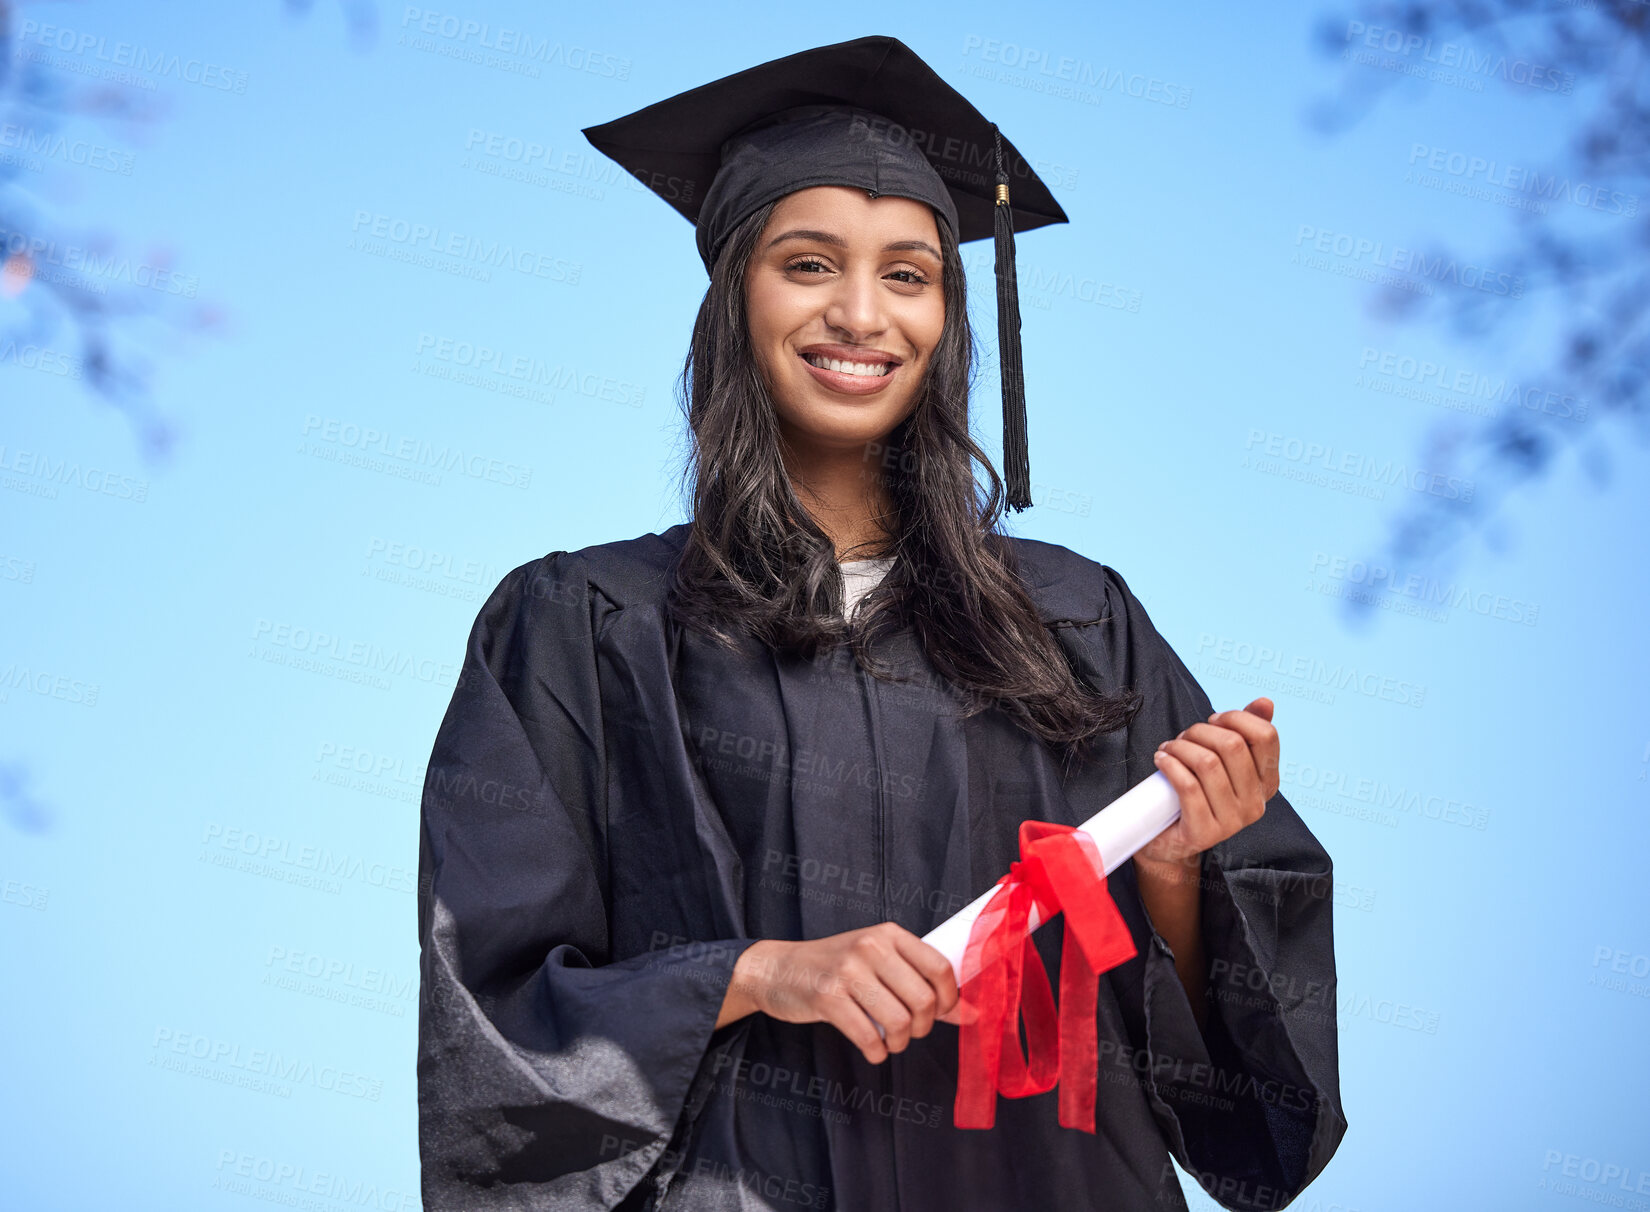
(868, 114)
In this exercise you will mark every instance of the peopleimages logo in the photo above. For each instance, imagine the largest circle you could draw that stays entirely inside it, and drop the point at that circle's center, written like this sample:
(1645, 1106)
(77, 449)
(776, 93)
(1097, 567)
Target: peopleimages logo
(416, 456)
(1224, 656)
(42, 358)
(1363, 251)
(516, 158)
(489, 363)
(52, 145)
(482, 43)
(80, 259)
(1458, 56)
(215, 1059)
(475, 252)
(295, 1185)
(1422, 379)
(1515, 178)
(319, 861)
(130, 55)
(1425, 588)
(1072, 72)
(38, 474)
(1264, 448)
(366, 658)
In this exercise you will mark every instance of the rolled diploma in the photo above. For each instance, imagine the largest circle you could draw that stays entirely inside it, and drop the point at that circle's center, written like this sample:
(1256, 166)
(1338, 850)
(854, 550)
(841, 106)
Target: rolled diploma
(1119, 829)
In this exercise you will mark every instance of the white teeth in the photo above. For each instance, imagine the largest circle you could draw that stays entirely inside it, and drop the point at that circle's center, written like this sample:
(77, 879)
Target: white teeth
(873, 370)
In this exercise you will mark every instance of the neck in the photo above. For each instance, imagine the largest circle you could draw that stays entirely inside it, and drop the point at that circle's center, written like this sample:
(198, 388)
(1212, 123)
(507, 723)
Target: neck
(843, 494)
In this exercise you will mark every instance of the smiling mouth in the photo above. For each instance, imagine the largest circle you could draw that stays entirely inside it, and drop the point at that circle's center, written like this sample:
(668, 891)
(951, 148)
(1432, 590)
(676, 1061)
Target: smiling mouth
(867, 370)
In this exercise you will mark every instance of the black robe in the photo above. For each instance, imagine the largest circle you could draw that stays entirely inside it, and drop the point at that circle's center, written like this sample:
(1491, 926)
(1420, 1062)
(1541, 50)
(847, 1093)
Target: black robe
(615, 808)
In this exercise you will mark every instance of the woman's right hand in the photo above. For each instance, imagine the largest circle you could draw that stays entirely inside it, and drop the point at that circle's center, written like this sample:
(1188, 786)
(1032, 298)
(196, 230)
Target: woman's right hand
(854, 981)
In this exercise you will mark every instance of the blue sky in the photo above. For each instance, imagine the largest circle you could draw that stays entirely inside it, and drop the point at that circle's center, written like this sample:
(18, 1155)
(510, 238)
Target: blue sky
(1211, 392)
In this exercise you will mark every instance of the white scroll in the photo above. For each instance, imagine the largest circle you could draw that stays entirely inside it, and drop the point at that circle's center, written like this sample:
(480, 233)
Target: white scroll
(1119, 829)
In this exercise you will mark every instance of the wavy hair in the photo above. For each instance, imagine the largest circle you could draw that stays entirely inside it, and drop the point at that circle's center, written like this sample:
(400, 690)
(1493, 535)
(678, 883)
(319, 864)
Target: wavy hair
(755, 562)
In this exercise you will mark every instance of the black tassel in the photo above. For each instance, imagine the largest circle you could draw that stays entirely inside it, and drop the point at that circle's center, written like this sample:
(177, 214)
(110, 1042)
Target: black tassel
(1016, 456)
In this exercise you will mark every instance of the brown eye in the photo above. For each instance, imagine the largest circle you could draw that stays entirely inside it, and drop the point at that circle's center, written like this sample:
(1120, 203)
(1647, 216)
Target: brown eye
(809, 261)
(912, 276)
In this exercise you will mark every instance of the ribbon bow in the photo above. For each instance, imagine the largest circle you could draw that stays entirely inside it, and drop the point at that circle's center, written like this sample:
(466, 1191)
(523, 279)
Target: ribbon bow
(1059, 870)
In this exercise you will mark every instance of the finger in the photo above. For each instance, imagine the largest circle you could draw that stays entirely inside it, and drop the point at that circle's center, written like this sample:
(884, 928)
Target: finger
(889, 951)
(874, 952)
(934, 967)
(1210, 768)
(1236, 756)
(914, 992)
(1262, 739)
(1251, 726)
(961, 1014)
(883, 1007)
(848, 1017)
(1207, 774)
(1195, 818)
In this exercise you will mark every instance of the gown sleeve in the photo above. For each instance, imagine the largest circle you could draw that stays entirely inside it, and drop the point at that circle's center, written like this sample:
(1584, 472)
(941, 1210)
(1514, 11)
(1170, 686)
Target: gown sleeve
(551, 1073)
(1251, 1105)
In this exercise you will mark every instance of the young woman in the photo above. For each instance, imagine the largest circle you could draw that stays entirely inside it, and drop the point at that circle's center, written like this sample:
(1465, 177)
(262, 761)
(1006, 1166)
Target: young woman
(693, 806)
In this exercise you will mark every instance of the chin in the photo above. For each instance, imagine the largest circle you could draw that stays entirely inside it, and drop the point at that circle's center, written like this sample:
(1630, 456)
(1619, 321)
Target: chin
(843, 423)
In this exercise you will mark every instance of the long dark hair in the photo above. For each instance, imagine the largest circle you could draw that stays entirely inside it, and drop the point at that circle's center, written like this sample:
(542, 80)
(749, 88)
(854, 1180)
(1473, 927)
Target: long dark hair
(756, 562)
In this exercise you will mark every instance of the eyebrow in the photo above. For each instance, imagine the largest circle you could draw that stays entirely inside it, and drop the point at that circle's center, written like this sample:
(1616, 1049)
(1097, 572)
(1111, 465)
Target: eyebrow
(825, 237)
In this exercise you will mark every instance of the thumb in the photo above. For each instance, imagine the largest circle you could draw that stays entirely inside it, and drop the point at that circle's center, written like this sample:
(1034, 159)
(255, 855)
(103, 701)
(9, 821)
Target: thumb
(1261, 707)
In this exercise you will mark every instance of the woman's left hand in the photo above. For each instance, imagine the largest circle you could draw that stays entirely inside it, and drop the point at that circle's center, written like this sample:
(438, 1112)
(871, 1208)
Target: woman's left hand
(1224, 772)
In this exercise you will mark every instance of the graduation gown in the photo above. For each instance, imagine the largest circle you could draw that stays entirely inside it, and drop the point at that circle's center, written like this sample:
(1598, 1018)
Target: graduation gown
(615, 808)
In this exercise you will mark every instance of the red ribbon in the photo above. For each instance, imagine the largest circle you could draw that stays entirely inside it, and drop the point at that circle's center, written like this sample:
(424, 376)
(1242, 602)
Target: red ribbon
(1059, 870)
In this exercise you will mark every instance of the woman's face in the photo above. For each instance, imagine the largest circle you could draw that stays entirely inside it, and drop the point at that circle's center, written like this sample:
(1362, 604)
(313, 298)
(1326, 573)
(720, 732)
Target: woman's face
(839, 275)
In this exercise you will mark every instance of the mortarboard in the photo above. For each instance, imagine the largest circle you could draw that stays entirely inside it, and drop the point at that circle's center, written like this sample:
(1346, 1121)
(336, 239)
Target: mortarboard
(869, 114)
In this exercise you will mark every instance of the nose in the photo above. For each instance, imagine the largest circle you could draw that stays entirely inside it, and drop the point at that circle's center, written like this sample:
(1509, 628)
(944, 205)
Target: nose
(857, 306)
